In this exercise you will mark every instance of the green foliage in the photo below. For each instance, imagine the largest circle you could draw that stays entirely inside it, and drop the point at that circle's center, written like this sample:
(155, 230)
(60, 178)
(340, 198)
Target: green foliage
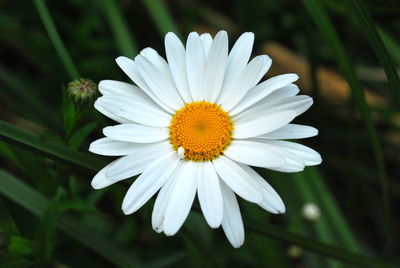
(51, 217)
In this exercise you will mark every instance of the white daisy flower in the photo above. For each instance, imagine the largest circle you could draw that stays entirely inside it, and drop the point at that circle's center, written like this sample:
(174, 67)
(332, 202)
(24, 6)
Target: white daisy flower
(196, 124)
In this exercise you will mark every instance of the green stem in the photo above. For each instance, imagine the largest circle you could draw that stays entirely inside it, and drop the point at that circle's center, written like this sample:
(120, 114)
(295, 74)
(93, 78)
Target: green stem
(55, 39)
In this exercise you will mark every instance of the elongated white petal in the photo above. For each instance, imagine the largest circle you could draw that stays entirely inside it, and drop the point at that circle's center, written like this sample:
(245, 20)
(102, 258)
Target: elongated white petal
(100, 180)
(215, 67)
(249, 153)
(256, 148)
(237, 61)
(131, 69)
(160, 205)
(181, 200)
(237, 179)
(149, 182)
(272, 202)
(136, 110)
(206, 40)
(176, 56)
(195, 65)
(107, 111)
(135, 163)
(209, 194)
(112, 87)
(290, 131)
(136, 133)
(232, 222)
(251, 126)
(283, 92)
(247, 79)
(110, 147)
(262, 90)
(310, 156)
(159, 82)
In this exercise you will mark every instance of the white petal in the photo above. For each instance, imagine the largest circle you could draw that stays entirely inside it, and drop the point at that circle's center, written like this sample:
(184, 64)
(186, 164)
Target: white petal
(215, 67)
(136, 133)
(137, 110)
(195, 65)
(209, 194)
(160, 205)
(290, 131)
(176, 56)
(251, 153)
(206, 40)
(159, 82)
(232, 222)
(100, 180)
(247, 79)
(272, 202)
(131, 69)
(237, 179)
(112, 87)
(298, 104)
(310, 156)
(262, 90)
(252, 125)
(107, 111)
(256, 148)
(237, 61)
(181, 200)
(149, 182)
(110, 147)
(283, 92)
(135, 163)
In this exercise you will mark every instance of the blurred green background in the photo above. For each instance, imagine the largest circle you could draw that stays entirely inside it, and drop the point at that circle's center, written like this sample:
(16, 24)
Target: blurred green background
(347, 54)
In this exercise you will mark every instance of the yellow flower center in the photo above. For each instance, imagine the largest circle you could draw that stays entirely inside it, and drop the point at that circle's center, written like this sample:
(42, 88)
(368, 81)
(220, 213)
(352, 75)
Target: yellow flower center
(203, 129)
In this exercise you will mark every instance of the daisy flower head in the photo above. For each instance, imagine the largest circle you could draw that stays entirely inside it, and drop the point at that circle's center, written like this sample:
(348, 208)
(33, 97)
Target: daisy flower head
(195, 123)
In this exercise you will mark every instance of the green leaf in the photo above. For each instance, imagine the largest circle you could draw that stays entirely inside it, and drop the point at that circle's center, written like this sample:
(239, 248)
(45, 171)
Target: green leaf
(15, 261)
(21, 246)
(51, 149)
(125, 41)
(360, 13)
(161, 17)
(81, 134)
(47, 230)
(318, 13)
(7, 224)
(55, 39)
(36, 203)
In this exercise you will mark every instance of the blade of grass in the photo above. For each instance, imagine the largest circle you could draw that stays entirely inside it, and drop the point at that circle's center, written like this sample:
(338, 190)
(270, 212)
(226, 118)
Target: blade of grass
(47, 231)
(51, 149)
(360, 12)
(7, 224)
(60, 152)
(161, 17)
(36, 203)
(318, 13)
(391, 44)
(55, 39)
(126, 43)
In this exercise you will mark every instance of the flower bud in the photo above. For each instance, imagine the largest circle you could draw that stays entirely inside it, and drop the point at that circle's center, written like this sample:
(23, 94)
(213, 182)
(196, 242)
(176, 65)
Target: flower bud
(310, 211)
(82, 90)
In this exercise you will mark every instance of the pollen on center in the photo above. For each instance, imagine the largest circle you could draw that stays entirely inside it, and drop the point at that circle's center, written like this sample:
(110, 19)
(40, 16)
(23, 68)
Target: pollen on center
(203, 129)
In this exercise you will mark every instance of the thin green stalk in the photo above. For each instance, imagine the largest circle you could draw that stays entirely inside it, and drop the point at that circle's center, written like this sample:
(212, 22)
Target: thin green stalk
(360, 12)
(161, 16)
(318, 13)
(125, 41)
(55, 39)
